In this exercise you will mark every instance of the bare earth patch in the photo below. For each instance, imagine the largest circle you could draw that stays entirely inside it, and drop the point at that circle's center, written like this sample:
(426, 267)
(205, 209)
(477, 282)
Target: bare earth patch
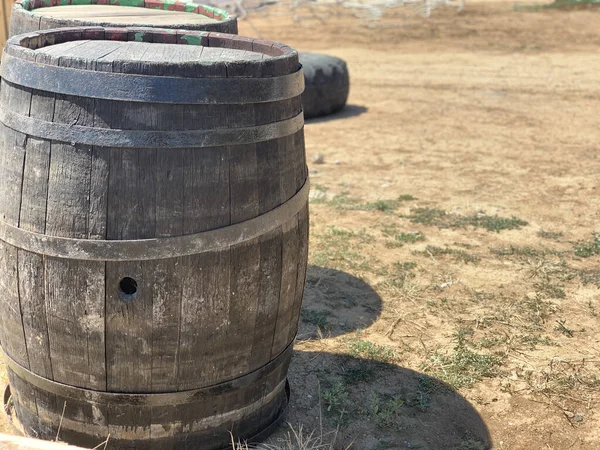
(453, 296)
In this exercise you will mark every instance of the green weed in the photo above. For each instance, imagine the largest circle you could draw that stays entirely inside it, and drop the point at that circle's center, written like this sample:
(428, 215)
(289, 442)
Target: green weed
(441, 219)
(495, 223)
(318, 318)
(385, 412)
(368, 350)
(336, 399)
(463, 367)
(406, 198)
(585, 249)
(456, 254)
(409, 238)
(553, 235)
(428, 216)
(426, 387)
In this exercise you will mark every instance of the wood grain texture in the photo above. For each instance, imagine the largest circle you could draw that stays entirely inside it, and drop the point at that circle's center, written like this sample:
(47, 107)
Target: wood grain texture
(289, 275)
(75, 314)
(193, 321)
(13, 335)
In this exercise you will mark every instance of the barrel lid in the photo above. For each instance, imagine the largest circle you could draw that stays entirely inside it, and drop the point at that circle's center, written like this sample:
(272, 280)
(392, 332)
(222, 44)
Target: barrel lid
(151, 13)
(153, 65)
(154, 51)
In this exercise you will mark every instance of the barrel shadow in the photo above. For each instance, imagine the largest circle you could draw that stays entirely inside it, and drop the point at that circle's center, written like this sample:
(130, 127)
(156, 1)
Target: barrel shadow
(336, 303)
(347, 112)
(379, 406)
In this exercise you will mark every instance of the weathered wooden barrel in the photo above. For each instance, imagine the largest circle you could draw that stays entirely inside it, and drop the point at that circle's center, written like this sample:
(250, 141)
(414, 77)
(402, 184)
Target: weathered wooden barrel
(153, 234)
(34, 15)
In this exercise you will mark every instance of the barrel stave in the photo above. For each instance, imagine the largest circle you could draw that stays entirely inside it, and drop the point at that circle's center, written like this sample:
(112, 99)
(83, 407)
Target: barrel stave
(13, 335)
(75, 310)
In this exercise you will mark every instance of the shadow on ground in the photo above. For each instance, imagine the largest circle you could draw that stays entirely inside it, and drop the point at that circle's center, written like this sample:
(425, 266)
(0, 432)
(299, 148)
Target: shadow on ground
(380, 406)
(347, 112)
(336, 303)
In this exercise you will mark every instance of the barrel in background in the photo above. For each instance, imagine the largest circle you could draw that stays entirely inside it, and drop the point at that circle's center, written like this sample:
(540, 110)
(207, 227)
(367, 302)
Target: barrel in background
(154, 228)
(33, 15)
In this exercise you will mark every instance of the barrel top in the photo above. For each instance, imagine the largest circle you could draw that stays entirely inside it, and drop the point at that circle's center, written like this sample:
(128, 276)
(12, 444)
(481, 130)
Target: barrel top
(150, 51)
(149, 12)
(123, 15)
(104, 51)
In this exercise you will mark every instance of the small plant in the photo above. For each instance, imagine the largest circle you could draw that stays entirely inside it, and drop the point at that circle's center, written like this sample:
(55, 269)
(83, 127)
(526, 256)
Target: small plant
(318, 318)
(406, 198)
(463, 366)
(409, 238)
(441, 219)
(513, 250)
(385, 412)
(343, 201)
(587, 249)
(405, 266)
(336, 399)
(553, 235)
(495, 223)
(386, 206)
(428, 216)
(368, 350)
(456, 254)
(426, 387)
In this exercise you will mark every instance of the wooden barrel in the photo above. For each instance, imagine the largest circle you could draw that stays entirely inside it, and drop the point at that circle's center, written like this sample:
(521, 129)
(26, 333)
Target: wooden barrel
(34, 15)
(153, 234)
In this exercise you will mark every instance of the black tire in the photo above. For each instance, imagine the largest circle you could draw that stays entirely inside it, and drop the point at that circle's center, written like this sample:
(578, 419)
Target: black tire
(327, 84)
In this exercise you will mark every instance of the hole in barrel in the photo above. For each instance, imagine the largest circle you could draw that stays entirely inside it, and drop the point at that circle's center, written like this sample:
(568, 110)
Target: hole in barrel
(128, 289)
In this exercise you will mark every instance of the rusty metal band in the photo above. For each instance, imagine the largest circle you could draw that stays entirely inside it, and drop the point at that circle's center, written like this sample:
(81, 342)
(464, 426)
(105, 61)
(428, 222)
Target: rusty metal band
(105, 137)
(146, 88)
(151, 399)
(160, 248)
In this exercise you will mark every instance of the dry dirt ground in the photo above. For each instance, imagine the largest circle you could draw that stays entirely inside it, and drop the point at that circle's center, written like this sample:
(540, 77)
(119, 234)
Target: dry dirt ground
(453, 293)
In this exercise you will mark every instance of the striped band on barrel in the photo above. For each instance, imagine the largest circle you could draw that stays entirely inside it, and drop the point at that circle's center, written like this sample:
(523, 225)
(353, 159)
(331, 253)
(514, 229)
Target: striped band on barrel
(153, 89)
(106, 137)
(154, 399)
(160, 248)
(166, 5)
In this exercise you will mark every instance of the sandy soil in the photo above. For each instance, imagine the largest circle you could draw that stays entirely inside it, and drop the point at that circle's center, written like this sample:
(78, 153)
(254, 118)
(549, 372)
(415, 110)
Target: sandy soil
(490, 111)
(487, 112)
